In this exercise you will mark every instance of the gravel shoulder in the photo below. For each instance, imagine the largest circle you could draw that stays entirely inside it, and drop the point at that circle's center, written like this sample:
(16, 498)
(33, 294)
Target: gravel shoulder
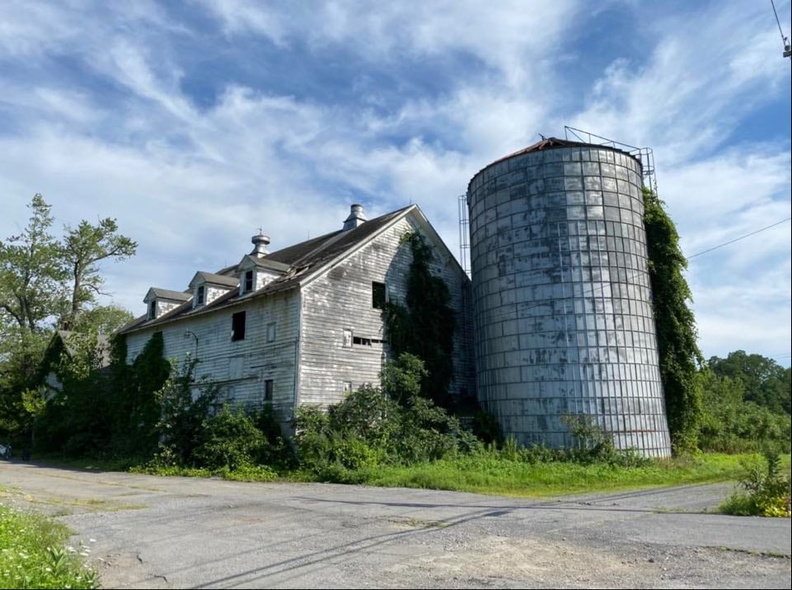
(153, 532)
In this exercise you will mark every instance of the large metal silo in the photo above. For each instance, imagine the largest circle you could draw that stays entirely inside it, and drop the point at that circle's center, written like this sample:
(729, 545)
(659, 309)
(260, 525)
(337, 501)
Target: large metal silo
(562, 300)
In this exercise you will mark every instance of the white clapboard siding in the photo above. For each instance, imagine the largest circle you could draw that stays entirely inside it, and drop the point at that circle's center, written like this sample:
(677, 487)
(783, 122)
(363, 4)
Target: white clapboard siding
(240, 367)
(341, 300)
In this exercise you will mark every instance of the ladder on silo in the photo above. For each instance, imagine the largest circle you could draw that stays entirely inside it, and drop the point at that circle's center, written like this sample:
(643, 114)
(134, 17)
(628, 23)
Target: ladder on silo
(464, 235)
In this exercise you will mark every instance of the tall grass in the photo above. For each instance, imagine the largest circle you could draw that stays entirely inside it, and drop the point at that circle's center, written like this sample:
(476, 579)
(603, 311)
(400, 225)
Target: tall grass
(489, 474)
(494, 472)
(33, 554)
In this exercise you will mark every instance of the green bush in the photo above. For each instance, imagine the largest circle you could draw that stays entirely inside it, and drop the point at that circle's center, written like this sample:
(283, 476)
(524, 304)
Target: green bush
(374, 427)
(595, 445)
(427, 433)
(732, 425)
(766, 490)
(328, 447)
(368, 414)
(184, 407)
(228, 440)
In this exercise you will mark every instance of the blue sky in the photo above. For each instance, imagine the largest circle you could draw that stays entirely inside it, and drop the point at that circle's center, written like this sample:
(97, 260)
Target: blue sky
(194, 123)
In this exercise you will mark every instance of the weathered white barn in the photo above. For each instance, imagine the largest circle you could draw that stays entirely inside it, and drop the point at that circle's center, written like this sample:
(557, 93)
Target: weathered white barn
(303, 325)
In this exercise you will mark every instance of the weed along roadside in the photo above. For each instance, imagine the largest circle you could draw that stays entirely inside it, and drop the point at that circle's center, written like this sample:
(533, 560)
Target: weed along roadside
(34, 553)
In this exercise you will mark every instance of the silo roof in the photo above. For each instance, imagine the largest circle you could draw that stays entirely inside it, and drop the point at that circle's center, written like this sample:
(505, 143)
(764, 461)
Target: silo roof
(550, 143)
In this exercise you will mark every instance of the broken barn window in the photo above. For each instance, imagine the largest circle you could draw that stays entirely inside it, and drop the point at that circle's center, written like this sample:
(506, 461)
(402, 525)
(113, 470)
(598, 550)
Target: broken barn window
(248, 281)
(378, 295)
(269, 388)
(238, 326)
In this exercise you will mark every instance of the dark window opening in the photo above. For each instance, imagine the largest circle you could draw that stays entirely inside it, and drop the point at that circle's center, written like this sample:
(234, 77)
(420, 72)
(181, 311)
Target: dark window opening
(366, 341)
(378, 295)
(201, 295)
(248, 281)
(269, 388)
(238, 326)
(152, 310)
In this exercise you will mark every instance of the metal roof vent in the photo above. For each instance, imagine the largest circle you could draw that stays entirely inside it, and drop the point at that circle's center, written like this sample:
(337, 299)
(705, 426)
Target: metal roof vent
(260, 241)
(356, 217)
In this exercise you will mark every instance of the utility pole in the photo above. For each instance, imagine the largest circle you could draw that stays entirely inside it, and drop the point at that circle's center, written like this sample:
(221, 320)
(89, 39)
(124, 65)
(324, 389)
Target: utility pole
(784, 39)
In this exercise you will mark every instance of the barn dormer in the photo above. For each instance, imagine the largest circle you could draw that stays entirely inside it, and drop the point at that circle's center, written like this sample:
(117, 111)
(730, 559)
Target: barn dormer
(161, 301)
(206, 287)
(254, 271)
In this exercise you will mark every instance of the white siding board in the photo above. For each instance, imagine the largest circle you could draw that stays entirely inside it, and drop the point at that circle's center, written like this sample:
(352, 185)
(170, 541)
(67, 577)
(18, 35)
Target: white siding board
(341, 299)
(240, 367)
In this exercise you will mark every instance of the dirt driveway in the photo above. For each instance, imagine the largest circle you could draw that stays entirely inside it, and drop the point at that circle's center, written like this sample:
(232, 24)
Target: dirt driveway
(152, 532)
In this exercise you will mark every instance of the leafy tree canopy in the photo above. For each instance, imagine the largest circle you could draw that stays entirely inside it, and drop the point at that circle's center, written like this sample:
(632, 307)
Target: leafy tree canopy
(45, 280)
(765, 382)
(49, 282)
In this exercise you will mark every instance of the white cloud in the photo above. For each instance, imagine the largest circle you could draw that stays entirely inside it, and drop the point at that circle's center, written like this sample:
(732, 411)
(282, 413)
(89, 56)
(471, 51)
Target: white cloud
(96, 116)
(706, 71)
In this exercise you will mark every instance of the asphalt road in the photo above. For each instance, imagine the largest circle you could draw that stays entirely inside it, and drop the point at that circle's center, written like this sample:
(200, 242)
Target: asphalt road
(153, 532)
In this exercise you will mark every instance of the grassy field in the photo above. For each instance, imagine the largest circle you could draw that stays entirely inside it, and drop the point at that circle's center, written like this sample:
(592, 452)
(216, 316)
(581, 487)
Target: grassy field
(34, 554)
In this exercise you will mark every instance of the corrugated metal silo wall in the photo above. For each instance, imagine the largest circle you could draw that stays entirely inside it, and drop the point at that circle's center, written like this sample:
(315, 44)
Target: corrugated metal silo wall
(563, 319)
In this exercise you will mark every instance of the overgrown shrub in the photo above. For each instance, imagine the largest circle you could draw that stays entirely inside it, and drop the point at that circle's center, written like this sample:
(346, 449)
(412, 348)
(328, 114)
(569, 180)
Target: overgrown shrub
(486, 427)
(228, 440)
(732, 425)
(427, 433)
(766, 490)
(592, 444)
(184, 407)
(277, 452)
(395, 425)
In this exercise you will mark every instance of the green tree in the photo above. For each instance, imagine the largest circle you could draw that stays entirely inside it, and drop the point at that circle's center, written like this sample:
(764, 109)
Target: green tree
(395, 425)
(766, 382)
(30, 271)
(679, 354)
(46, 281)
(82, 249)
(182, 413)
(103, 319)
(731, 424)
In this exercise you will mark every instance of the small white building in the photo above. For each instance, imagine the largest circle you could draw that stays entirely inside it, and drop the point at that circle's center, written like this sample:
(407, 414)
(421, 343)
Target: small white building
(303, 325)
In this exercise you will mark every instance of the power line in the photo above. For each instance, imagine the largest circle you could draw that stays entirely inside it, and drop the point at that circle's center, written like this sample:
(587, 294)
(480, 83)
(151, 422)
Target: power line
(753, 233)
(632, 273)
